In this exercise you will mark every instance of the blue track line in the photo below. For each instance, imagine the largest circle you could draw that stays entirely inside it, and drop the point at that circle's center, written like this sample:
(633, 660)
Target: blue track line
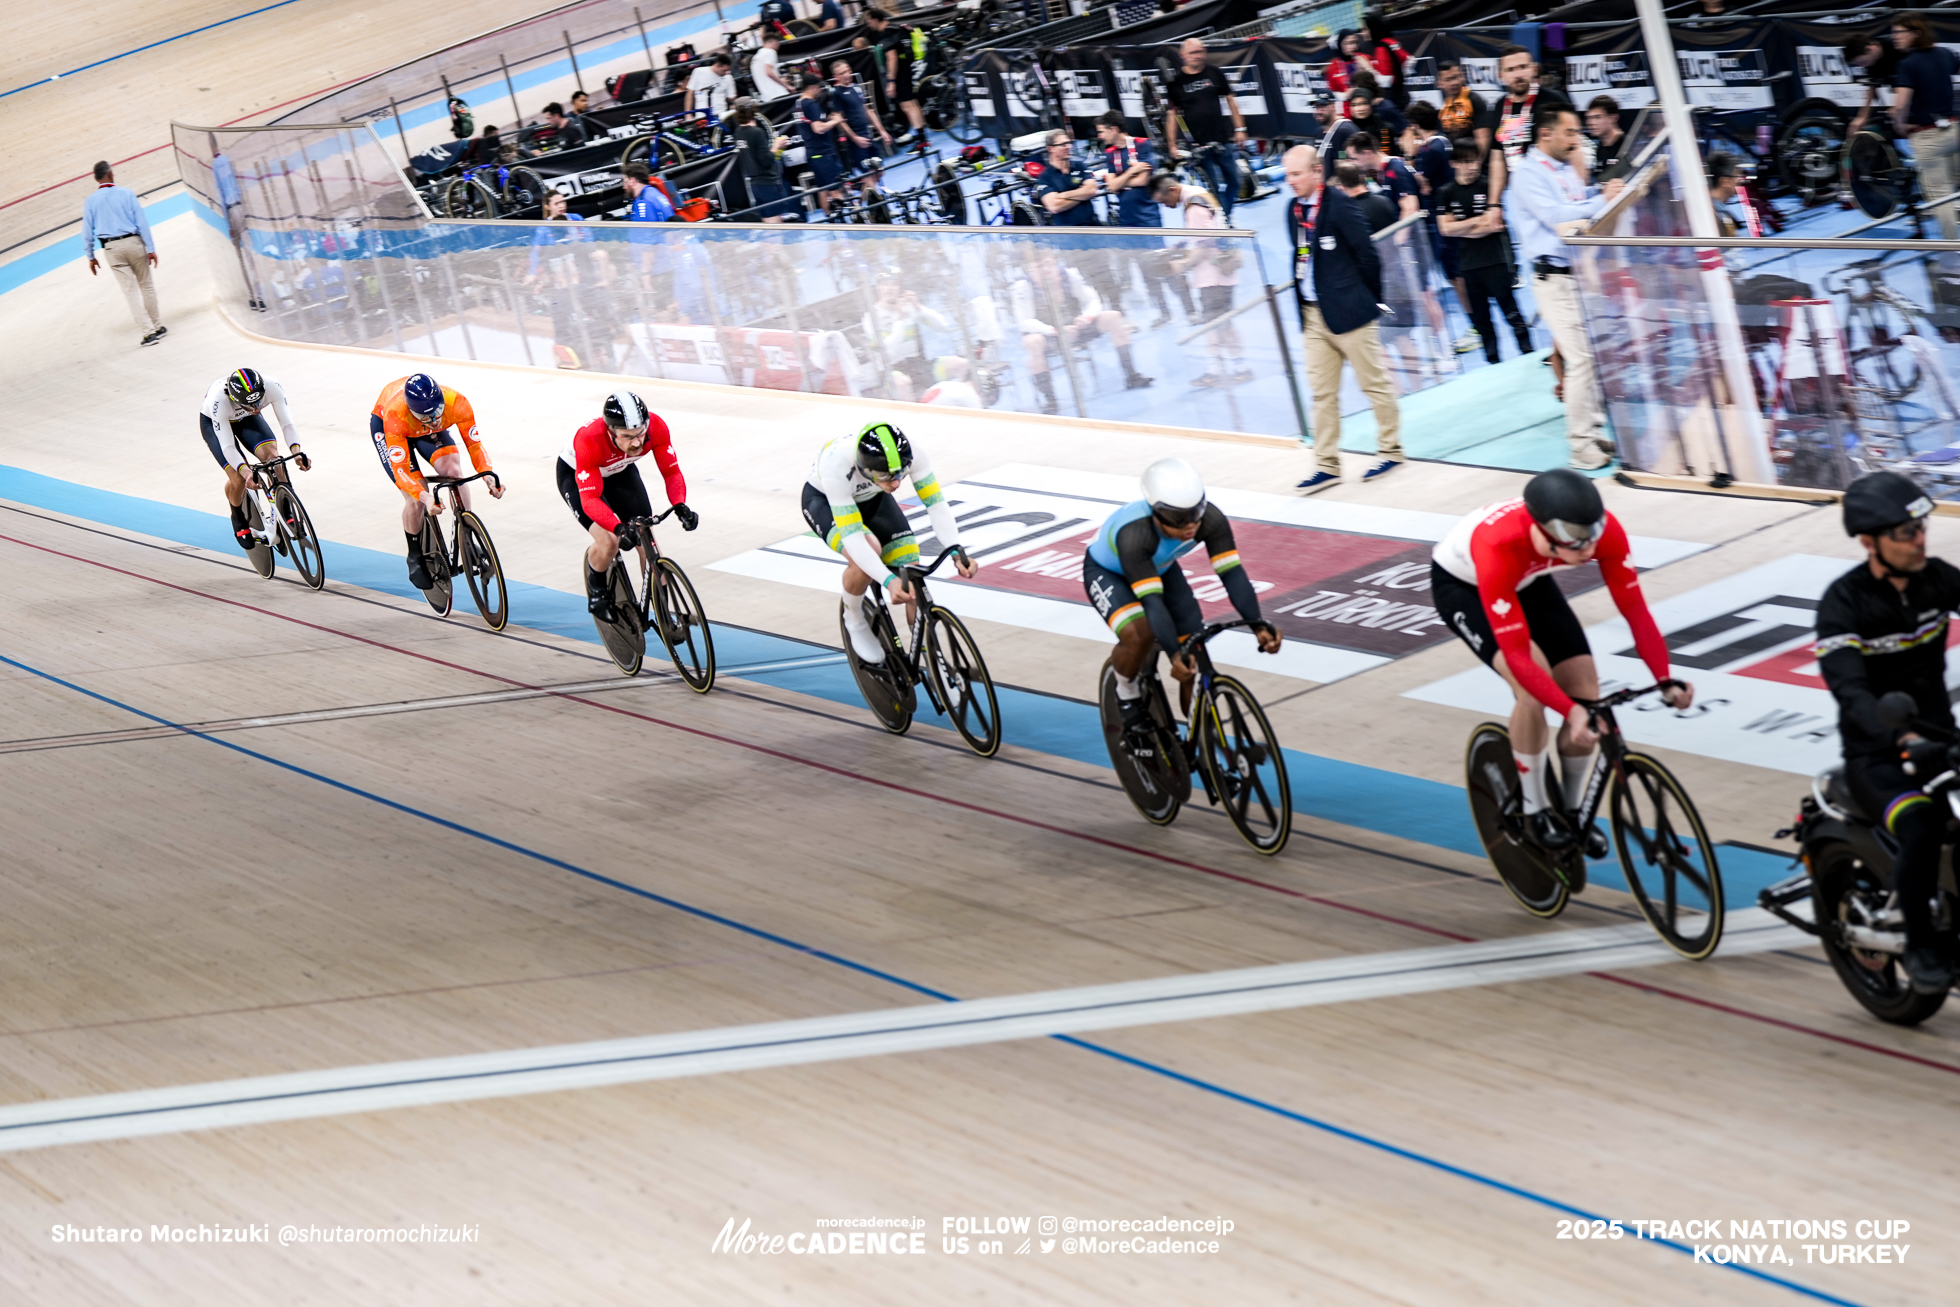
(756, 932)
(151, 46)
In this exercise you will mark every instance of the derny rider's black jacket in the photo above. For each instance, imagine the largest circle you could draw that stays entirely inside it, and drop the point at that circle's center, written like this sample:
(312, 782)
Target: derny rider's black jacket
(1873, 638)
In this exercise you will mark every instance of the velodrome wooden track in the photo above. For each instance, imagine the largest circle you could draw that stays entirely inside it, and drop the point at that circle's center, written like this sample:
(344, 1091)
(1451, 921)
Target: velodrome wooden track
(347, 886)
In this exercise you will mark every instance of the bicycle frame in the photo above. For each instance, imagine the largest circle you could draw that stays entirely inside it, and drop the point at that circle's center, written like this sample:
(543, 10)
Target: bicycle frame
(454, 485)
(260, 486)
(1612, 746)
(913, 657)
(649, 552)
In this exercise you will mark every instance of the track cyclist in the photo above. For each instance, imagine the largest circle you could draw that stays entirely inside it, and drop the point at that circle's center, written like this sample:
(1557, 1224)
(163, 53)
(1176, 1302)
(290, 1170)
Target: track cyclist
(1491, 580)
(1882, 627)
(229, 419)
(413, 418)
(849, 502)
(599, 481)
(1131, 571)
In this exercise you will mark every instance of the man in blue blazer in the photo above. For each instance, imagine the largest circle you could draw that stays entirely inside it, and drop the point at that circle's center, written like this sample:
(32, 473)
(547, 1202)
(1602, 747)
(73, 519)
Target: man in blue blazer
(1338, 282)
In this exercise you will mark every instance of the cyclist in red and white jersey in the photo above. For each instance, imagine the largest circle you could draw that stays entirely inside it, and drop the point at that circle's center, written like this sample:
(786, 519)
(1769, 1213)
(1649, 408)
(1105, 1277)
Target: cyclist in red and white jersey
(1491, 578)
(599, 480)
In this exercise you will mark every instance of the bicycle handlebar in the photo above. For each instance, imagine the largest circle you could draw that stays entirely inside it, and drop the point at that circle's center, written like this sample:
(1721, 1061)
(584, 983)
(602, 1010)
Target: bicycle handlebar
(1594, 707)
(914, 569)
(655, 520)
(450, 483)
(1192, 641)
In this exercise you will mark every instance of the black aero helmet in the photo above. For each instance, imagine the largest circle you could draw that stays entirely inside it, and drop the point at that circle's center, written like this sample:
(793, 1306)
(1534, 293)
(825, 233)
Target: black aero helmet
(1566, 505)
(625, 411)
(883, 452)
(1881, 501)
(245, 388)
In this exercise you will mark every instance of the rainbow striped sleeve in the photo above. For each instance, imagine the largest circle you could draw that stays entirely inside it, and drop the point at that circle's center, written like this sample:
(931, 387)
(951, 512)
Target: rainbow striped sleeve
(1225, 562)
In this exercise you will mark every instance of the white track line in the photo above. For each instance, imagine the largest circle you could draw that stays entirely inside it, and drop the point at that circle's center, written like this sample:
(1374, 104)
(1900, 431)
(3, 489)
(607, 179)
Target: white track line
(339, 1090)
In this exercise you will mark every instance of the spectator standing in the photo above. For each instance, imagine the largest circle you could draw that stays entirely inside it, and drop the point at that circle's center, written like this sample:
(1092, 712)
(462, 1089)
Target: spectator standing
(1338, 282)
(1361, 112)
(892, 44)
(1426, 148)
(1724, 181)
(1922, 111)
(1516, 112)
(232, 200)
(830, 18)
(1872, 62)
(1391, 179)
(1387, 57)
(1211, 266)
(1067, 190)
(860, 119)
(1335, 131)
(711, 87)
(1474, 225)
(1547, 191)
(895, 324)
(1131, 165)
(1202, 96)
(1462, 114)
(116, 231)
(762, 164)
(1385, 113)
(766, 67)
(1603, 130)
(1347, 57)
(819, 126)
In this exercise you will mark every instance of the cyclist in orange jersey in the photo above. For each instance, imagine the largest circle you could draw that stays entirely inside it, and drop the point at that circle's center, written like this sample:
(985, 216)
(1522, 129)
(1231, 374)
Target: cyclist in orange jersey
(414, 417)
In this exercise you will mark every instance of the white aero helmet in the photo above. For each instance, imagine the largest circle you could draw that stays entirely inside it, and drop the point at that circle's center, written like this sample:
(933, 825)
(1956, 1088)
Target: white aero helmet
(1174, 491)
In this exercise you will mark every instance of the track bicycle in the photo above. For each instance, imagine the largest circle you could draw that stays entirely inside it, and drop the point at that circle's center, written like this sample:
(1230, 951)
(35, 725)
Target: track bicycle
(943, 658)
(486, 190)
(1877, 324)
(1226, 740)
(665, 601)
(1663, 847)
(470, 555)
(269, 497)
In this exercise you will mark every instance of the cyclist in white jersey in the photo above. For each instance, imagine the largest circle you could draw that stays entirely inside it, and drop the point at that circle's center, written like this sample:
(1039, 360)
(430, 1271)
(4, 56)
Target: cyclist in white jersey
(231, 424)
(848, 502)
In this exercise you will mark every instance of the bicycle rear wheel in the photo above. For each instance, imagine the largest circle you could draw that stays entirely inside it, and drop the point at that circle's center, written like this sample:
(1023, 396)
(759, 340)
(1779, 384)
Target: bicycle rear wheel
(466, 197)
(683, 626)
(960, 679)
(625, 637)
(482, 571)
(1667, 856)
(1242, 759)
(1157, 786)
(303, 545)
(1497, 807)
(261, 551)
(891, 699)
(435, 557)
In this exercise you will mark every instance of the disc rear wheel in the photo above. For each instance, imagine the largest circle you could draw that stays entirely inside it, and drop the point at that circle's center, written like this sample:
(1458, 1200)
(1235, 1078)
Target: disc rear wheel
(625, 637)
(1497, 807)
(1157, 785)
(887, 691)
(682, 625)
(436, 559)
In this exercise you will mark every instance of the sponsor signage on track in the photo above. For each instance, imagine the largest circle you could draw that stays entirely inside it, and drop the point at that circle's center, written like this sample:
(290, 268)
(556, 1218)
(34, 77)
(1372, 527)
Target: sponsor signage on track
(1745, 644)
(1347, 584)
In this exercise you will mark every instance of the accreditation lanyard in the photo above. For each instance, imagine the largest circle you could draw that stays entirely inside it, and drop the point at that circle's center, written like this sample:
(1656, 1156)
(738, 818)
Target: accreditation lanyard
(1306, 215)
(1512, 131)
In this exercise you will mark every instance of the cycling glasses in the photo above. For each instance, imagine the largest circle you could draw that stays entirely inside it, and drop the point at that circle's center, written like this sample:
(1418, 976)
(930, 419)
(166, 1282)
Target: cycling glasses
(1179, 517)
(1906, 532)
(1572, 535)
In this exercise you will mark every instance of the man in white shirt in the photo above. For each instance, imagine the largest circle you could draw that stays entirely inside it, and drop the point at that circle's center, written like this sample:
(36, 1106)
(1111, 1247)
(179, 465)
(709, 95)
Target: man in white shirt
(712, 87)
(765, 67)
(1547, 195)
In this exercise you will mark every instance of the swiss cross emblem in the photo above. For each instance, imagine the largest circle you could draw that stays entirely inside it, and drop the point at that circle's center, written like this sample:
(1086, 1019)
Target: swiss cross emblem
(1502, 607)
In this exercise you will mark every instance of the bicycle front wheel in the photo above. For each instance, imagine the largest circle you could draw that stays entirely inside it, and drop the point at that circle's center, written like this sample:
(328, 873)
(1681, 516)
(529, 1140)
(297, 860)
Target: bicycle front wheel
(435, 557)
(960, 680)
(1242, 759)
(482, 571)
(1491, 782)
(683, 626)
(303, 545)
(1667, 856)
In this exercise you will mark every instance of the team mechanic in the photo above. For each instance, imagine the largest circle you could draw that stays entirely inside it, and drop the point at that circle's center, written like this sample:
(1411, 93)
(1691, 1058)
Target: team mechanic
(1882, 627)
(412, 418)
(1492, 581)
(1130, 570)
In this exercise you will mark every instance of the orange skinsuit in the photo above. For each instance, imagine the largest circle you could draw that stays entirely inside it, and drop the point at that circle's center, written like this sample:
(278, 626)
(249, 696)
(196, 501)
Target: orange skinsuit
(399, 427)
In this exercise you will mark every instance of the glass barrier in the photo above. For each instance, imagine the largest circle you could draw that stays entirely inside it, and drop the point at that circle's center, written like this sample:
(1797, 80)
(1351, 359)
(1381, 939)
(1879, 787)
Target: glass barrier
(325, 244)
(1415, 333)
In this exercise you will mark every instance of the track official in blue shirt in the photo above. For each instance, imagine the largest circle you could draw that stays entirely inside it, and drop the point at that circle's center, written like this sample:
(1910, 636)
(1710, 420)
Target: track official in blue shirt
(1546, 191)
(116, 231)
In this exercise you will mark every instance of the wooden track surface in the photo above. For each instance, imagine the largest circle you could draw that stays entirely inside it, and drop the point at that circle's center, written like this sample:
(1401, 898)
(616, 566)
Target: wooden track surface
(178, 911)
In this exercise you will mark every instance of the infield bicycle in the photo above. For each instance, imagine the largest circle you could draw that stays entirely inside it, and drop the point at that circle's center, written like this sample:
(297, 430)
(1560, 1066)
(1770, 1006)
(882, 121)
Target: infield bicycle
(664, 601)
(280, 524)
(943, 658)
(471, 555)
(1226, 739)
(1663, 848)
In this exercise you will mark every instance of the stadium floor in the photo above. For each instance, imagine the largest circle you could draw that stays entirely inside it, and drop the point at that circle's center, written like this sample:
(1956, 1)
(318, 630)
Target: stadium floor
(257, 831)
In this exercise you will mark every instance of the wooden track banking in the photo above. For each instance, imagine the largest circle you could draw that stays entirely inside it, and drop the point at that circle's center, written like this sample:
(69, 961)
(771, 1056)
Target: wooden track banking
(253, 830)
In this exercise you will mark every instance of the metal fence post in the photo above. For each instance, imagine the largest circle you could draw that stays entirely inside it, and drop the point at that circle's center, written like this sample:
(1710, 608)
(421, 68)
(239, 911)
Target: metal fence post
(402, 132)
(511, 86)
(642, 24)
(572, 54)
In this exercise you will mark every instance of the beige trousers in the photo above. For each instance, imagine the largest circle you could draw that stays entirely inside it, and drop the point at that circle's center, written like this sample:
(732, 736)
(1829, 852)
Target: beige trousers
(130, 263)
(1938, 169)
(1565, 316)
(1360, 349)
